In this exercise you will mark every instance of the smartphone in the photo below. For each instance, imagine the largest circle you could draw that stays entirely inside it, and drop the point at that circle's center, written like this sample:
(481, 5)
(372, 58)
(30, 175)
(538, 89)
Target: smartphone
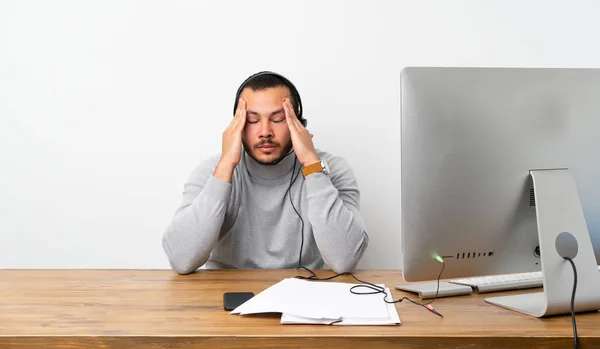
(232, 300)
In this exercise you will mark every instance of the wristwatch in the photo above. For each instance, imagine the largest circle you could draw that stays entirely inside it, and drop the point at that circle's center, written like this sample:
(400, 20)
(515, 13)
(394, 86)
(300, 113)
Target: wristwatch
(320, 166)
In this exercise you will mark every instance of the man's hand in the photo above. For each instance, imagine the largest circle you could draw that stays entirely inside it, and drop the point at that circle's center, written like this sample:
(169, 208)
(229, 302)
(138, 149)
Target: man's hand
(231, 150)
(301, 138)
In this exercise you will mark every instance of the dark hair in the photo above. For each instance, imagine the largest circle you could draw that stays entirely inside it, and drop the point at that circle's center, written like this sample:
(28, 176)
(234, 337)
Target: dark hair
(266, 79)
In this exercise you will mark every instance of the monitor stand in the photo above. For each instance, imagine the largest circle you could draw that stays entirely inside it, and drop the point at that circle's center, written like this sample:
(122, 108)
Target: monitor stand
(562, 231)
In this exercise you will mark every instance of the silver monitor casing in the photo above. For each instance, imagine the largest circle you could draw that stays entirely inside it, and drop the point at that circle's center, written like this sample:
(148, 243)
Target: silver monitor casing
(471, 138)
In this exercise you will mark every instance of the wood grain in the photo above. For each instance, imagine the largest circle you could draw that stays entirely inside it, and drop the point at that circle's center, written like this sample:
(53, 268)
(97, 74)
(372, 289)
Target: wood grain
(160, 309)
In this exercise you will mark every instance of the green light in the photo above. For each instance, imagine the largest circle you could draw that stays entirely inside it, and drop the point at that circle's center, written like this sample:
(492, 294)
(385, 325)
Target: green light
(439, 259)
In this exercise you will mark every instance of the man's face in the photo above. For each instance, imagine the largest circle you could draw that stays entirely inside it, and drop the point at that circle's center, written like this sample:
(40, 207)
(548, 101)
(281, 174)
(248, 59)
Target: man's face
(266, 135)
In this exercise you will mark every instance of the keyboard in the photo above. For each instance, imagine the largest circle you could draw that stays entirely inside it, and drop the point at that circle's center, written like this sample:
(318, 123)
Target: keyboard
(505, 282)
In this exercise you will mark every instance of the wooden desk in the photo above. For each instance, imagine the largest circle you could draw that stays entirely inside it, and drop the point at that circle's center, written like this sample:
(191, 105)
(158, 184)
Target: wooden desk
(160, 309)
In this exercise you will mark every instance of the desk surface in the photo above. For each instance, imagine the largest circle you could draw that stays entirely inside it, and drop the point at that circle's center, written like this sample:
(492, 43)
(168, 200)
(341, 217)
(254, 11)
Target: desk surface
(158, 308)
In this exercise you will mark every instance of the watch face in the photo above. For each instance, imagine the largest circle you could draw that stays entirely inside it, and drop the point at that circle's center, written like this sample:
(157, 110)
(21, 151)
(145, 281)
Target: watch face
(325, 167)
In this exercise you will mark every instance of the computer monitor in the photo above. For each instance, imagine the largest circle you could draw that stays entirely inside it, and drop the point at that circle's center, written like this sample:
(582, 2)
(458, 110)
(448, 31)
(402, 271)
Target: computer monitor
(474, 143)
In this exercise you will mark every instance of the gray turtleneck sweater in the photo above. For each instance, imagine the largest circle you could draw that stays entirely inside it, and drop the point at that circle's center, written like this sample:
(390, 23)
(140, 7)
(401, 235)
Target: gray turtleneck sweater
(251, 222)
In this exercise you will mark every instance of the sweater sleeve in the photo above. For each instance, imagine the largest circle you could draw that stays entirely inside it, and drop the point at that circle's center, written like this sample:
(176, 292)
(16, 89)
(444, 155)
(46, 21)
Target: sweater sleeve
(190, 237)
(334, 213)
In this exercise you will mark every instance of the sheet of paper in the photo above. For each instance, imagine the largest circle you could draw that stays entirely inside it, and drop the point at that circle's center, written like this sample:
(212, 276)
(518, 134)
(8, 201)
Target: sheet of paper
(392, 319)
(290, 319)
(322, 302)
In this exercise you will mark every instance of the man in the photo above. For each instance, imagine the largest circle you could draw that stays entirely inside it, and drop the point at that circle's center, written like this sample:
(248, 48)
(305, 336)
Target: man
(270, 199)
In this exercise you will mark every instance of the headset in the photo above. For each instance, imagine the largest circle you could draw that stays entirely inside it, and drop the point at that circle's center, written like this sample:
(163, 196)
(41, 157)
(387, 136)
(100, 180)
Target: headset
(286, 82)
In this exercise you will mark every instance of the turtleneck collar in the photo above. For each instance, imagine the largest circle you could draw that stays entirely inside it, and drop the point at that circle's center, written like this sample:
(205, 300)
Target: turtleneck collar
(279, 172)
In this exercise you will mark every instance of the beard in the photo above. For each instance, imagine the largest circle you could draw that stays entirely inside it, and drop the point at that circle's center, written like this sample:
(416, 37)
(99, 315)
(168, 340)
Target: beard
(254, 152)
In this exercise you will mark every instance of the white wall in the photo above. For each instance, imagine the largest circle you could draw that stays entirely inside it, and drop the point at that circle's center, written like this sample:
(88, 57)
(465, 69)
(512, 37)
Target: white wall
(106, 106)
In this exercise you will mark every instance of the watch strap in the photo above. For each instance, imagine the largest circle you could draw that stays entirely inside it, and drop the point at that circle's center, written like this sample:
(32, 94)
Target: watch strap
(310, 169)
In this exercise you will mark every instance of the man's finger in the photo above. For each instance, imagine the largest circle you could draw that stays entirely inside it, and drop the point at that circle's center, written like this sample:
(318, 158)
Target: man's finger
(238, 113)
(289, 114)
(241, 119)
(297, 122)
(239, 107)
(243, 112)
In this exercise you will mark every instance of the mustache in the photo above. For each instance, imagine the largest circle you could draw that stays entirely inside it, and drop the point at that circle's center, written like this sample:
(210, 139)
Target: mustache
(266, 142)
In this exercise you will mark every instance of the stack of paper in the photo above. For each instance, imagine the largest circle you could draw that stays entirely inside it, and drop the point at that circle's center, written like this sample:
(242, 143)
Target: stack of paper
(314, 302)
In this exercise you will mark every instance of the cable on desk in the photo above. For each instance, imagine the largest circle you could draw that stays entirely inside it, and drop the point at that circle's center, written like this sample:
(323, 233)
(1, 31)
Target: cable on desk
(375, 289)
(576, 340)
